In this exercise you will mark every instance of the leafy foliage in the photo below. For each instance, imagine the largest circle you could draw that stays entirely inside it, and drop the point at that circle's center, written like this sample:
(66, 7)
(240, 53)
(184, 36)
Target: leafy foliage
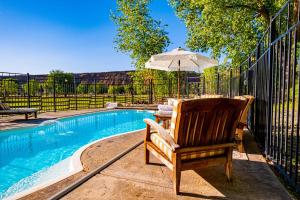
(141, 36)
(210, 75)
(226, 27)
(83, 88)
(8, 86)
(86, 88)
(34, 87)
(137, 33)
(61, 79)
(116, 89)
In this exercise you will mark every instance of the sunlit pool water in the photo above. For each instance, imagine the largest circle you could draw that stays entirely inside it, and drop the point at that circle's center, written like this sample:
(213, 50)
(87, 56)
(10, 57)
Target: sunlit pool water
(27, 153)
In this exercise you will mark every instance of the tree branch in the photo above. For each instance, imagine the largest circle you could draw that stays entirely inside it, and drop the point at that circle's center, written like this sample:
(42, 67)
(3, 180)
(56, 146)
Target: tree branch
(262, 11)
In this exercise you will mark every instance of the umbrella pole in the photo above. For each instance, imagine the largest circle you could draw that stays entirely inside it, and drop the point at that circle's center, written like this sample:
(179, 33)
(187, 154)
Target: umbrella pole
(178, 87)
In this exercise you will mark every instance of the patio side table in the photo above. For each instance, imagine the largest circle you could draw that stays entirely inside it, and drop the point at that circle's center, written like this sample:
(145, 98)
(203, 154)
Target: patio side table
(164, 118)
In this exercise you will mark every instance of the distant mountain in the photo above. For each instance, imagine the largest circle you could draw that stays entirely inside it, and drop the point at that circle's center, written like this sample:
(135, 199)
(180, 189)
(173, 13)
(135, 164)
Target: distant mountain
(114, 77)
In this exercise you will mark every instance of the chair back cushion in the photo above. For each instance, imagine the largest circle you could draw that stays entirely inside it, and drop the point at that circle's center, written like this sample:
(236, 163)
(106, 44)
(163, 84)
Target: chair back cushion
(201, 122)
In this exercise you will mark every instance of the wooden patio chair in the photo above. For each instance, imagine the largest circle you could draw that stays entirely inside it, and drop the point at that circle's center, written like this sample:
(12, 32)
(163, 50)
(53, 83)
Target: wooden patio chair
(201, 134)
(244, 116)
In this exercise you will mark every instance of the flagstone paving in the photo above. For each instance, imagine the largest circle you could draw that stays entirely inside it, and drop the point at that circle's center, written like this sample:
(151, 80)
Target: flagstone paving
(130, 178)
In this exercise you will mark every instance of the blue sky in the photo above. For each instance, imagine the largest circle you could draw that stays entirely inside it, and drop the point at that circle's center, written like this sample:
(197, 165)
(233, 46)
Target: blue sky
(37, 36)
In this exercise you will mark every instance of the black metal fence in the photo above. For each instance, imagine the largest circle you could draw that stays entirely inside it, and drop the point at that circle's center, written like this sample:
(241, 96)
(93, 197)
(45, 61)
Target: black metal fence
(52, 93)
(272, 74)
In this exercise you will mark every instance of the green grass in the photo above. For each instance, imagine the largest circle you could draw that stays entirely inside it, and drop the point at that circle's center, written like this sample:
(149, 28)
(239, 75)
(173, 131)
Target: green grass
(46, 103)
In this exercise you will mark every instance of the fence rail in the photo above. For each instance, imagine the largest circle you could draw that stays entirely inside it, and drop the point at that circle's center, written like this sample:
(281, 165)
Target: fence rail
(57, 93)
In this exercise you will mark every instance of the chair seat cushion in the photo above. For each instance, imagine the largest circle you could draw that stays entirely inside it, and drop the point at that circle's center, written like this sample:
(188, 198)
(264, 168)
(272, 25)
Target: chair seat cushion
(158, 141)
(202, 154)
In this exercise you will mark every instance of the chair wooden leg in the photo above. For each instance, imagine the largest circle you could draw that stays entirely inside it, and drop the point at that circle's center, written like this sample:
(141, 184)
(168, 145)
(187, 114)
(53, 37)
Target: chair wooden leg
(26, 116)
(240, 146)
(35, 115)
(147, 138)
(176, 173)
(147, 154)
(176, 181)
(240, 133)
(228, 164)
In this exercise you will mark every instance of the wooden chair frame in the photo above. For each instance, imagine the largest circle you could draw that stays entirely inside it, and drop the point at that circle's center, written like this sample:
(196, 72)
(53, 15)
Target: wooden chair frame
(244, 115)
(209, 142)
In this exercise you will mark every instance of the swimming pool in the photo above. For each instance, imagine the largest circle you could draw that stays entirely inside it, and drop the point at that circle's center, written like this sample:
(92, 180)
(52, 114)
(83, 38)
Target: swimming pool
(28, 155)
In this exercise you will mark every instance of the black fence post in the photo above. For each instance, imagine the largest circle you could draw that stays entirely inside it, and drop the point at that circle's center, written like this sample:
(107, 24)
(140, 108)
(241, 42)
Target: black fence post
(151, 91)
(203, 85)
(28, 90)
(95, 93)
(187, 87)
(240, 80)
(218, 82)
(270, 92)
(257, 58)
(230, 83)
(132, 93)
(54, 94)
(103, 101)
(169, 87)
(75, 92)
(246, 87)
(255, 110)
(114, 93)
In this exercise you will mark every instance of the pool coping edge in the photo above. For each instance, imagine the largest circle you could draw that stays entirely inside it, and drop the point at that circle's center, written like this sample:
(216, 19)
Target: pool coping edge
(76, 166)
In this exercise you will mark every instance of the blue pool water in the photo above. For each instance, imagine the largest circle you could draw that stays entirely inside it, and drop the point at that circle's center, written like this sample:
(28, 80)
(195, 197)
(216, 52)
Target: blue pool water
(26, 153)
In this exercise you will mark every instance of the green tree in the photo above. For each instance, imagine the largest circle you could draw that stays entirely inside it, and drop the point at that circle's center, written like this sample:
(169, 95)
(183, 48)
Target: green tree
(137, 32)
(120, 89)
(102, 89)
(111, 89)
(85, 88)
(115, 89)
(62, 82)
(210, 75)
(34, 87)
(82, 88)
(8, 86)
(228, 27)
(128, 89)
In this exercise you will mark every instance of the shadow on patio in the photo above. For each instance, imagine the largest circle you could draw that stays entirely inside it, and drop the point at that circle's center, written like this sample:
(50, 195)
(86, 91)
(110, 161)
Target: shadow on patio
(130, 178)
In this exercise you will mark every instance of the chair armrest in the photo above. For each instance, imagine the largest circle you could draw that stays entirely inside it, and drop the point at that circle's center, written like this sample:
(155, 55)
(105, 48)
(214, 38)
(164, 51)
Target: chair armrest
(241, 125)
(205, 148)
(165, 135)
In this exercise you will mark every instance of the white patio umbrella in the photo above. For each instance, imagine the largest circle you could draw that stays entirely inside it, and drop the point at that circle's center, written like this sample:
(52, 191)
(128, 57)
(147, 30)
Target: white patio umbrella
(180, 60)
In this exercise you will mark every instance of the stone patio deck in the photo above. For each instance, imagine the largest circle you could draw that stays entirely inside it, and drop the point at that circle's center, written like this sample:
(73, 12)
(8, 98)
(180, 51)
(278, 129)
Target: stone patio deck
(130, 178)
